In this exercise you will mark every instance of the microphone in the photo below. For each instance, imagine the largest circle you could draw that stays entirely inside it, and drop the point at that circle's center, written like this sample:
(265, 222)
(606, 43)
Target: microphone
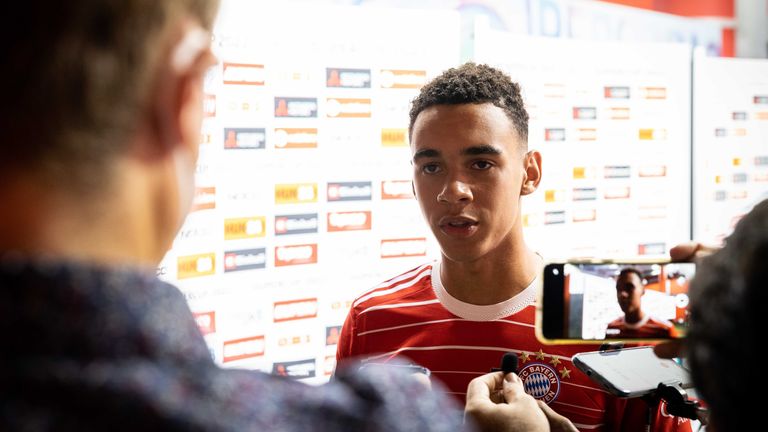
(508, 363)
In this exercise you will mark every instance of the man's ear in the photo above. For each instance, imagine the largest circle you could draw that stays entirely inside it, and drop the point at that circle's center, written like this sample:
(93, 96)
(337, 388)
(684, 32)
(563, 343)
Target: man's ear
(532, 178)
(178, 97)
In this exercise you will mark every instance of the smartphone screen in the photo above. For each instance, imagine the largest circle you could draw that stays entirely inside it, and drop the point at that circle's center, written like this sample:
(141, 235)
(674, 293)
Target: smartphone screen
(615, 301)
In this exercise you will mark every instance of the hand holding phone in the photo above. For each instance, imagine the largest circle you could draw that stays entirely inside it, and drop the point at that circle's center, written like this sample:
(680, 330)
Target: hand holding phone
(595, 301)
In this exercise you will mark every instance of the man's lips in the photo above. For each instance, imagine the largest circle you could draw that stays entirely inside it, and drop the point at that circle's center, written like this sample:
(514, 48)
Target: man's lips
(458, 226)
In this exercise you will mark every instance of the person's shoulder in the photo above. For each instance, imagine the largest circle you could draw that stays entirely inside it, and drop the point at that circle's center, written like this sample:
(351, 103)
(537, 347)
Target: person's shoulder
(618, 322)
(396, 287)
(658, 322)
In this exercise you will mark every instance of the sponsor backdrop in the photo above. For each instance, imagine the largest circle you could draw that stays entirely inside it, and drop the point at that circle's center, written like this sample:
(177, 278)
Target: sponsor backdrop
(612, 121)
(303, 195)
(730, 142)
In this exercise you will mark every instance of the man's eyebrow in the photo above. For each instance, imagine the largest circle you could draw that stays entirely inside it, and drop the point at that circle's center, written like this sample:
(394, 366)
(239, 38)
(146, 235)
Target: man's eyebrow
(484, 149)
(426, 153)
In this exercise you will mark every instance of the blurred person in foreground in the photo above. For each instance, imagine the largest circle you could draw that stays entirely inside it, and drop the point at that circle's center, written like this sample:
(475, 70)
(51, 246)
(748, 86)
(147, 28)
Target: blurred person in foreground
(101, 121)
(728, 295)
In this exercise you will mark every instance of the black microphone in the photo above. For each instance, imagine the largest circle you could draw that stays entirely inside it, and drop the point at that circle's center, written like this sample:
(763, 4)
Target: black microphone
(508, 363)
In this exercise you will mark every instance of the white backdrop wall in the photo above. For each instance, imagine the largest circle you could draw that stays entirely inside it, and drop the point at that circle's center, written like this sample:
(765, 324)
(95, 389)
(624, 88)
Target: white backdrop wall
(730, 149)
(612, 121)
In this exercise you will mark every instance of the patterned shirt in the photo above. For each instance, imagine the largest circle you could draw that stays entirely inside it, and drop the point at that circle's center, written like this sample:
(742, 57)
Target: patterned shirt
(413, 316)
(88, 348)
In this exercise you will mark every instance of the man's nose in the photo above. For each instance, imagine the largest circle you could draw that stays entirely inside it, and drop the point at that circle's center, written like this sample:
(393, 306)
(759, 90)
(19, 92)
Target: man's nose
(455, 191)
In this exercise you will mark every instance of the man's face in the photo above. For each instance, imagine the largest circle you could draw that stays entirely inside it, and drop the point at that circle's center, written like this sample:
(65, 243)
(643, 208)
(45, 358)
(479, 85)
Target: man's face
(468, 170)
(629, 290)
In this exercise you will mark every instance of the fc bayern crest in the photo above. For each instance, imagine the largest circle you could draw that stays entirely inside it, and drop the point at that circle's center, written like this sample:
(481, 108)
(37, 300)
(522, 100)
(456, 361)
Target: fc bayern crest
(540, 381)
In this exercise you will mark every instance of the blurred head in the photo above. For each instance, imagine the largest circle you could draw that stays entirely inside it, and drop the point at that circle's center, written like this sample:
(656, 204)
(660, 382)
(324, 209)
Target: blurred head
(81, 76)
(728, 298)
(470, 166)
(629, 290)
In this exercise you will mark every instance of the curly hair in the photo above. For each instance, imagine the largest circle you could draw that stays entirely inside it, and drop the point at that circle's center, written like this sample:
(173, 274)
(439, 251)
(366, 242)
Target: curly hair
(728, 300)
(474, 84)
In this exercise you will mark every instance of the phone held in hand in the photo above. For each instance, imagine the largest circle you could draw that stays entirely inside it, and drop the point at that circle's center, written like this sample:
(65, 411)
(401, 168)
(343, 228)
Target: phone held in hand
(631, 372)
(599, 301)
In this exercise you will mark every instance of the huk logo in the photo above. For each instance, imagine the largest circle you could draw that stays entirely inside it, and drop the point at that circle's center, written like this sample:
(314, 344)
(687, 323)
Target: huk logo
(349, 191)
(244, 228)
(295, 255)
(540, 381)
(652, 134)
(240, 349)
(243, 74)
(396, 189)
(246, 259)
(295, 107)
(245, 138)
(349, 221)
(295, 193)
(206, 321)
(292, 310)
(401, 248)
(394, 137)
(196, 265)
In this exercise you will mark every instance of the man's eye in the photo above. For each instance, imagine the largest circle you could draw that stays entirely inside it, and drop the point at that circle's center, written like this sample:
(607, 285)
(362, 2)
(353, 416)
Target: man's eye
(481, 164)
(430, 168)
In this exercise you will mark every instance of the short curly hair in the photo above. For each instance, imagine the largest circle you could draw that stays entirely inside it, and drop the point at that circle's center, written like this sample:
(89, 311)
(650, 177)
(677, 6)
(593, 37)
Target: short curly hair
(474, 84)
(728, 300)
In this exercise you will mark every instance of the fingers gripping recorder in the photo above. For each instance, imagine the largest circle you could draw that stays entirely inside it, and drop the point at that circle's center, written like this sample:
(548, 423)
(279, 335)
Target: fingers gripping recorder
(508, 364)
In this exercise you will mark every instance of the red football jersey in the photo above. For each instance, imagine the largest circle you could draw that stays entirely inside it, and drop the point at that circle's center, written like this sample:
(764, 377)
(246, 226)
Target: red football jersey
(412, 316)
(647, 328)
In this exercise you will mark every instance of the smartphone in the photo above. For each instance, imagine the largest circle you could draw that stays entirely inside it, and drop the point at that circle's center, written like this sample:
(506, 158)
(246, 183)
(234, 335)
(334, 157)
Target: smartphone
(605, 301)
(631, 372)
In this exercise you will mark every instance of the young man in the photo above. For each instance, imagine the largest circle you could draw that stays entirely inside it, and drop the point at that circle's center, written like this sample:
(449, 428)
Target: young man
(459, 315)
(635, 324)
(101, 121)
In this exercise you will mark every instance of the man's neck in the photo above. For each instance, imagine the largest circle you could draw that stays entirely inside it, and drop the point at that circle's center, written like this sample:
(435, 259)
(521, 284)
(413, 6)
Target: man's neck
(490, 280)
(108, 227)
(634, 317)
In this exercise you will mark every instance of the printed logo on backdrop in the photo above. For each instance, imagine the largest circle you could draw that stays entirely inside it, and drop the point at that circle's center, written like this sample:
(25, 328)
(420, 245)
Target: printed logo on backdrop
(554, 134)
(584, 113)
(291, 310)
(190, 232)
(653, 92)
(209, 105)
(349, 221)
(617, 171)
(396, 189)
(294, 341)
(349, 191)
(206, 321)
(244, 227)
(245, 138)
(618, 113)
(348, 78)
(204, 199)
(394, 137)
(402, 79)
(329, 365)
(405, 247)
(296, 224)
(243, 74)
(584, 215)
(616, 92)
(295, 193)
(298, 369)
(554, 217)
(245, 259)
(652, 248)
(348, 107)
(296, 107)
(295, 138)
(190, 266)
(244, 348)
(540, 381)
(295, 255)
(332, 334)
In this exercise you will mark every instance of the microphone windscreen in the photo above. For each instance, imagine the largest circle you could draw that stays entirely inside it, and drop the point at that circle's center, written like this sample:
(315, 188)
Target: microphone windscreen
(509, 363)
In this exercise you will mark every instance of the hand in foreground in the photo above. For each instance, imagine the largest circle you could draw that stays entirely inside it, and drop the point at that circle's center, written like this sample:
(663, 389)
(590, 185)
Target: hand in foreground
(499, 403)
(684, 252)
